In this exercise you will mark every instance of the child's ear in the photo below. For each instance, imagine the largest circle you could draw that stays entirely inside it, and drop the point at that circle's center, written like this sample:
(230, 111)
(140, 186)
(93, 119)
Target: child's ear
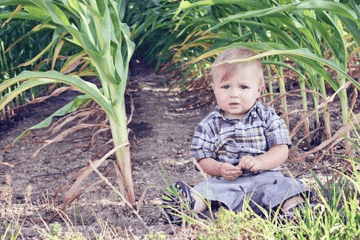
(261, 88)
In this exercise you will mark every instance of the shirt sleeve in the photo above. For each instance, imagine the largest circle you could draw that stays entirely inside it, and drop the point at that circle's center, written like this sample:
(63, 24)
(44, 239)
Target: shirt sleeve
(277, 132)
(202, 146)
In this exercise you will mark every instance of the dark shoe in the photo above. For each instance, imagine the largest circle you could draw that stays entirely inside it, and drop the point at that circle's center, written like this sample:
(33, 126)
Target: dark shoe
(177, 200)
(290, 214)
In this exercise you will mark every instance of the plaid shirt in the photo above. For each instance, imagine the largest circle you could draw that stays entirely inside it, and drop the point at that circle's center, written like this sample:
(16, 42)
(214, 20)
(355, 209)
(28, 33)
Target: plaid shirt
(228, 140)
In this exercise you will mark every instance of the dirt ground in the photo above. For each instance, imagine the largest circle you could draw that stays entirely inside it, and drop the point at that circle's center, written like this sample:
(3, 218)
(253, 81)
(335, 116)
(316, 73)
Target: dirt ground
(160, 136)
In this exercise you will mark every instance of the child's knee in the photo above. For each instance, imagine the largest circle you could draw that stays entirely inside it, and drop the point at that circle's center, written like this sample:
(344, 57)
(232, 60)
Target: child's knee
(292, 201)
(200, 204)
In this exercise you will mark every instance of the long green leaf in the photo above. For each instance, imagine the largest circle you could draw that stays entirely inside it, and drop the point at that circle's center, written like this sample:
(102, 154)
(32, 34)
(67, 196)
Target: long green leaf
(37, 78)
(353, 28)
(22, 15)
(16, 2)
(304, 55)
(338, 39)
(73, 62)
(16, 11)
(337, 8)
(96, 27)
(320, 28)
(68, 108)
(37, 57)
(283, 64)
(40, 3)
(279, 33)
(57, 15)
(37, 28)
(36, 11)
(187, 5)
(23, 87)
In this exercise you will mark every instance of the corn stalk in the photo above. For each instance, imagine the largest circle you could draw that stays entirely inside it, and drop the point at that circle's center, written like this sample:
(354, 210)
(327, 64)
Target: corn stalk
(95, 26)
(320, 26)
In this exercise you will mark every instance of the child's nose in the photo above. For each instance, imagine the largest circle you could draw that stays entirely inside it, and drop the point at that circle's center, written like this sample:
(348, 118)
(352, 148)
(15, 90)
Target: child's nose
(234, 92)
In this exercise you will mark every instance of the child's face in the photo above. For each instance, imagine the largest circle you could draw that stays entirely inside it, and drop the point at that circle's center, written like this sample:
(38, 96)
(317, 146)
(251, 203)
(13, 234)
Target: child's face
(236, 95)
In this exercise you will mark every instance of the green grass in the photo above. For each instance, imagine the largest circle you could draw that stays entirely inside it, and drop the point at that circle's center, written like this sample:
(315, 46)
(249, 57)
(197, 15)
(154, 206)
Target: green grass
(322, 222)
(335, 216)
(198, 34)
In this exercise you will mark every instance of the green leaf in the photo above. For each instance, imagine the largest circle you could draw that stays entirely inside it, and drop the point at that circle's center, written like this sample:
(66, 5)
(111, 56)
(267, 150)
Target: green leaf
(57, 15)
(337, 38)
(39, 3)
(324, 33)
(305, 56)
(317, 67)
(73, 62)
(106, 73)
(275, 32)
(16, 2)
(16, 11)
(74, 4)
(280, 63)
(68, 108)
(36, 11)
(23, 87)
(22, 15)
(37, 57)
(353, 28)
(122, 60)
(187, 5)
(337, 8)
(355, 7)
(114, 15)
(37, 78)
(56, 53)
(121, 8)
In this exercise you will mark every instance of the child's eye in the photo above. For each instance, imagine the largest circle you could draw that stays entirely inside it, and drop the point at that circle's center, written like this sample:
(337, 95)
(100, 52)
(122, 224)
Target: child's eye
(225, 87)
(244, 87)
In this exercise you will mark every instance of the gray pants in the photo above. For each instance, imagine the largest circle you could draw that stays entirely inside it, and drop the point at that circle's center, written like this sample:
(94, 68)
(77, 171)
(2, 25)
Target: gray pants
(267, 189)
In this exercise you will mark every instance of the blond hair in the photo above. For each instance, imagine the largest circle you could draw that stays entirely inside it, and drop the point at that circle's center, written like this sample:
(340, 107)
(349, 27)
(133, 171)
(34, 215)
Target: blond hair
(224, 71)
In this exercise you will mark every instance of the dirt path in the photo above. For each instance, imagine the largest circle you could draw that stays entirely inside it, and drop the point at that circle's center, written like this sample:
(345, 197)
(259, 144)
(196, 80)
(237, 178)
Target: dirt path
(159, 136)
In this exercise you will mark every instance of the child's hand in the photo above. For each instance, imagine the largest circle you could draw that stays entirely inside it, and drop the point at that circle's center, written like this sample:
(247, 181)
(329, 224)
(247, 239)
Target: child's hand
(229, 171)
(250, 163)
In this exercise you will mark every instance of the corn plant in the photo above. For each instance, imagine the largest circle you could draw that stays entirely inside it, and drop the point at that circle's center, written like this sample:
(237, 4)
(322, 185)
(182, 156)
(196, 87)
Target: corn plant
(201, 29)
(11, 56)
(97, 28)
(319, 26)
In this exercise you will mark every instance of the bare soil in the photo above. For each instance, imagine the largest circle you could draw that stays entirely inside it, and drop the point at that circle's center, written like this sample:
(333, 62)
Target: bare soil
(32, 189)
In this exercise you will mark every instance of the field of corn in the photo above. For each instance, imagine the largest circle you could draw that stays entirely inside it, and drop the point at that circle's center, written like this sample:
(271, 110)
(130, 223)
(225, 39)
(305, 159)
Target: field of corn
(111, 91)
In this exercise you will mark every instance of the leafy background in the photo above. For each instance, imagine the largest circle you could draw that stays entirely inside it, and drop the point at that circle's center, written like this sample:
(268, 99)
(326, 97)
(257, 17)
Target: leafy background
(310, 50)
